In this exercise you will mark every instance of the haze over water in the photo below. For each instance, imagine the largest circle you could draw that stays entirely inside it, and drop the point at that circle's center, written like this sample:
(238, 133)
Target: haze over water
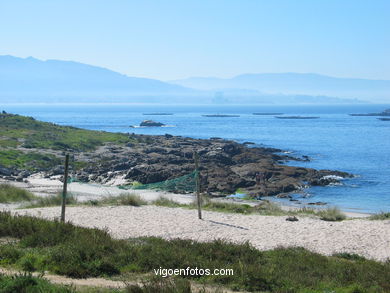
(358, 145)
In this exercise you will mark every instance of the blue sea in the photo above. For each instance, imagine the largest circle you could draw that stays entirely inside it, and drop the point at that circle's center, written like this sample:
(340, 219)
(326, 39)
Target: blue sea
(358, 145)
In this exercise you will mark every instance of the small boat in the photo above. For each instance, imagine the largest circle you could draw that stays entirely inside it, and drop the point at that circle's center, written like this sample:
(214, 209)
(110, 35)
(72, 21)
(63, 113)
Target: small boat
(383, 119)
(268, 113)
(297, 117)
(219, 115)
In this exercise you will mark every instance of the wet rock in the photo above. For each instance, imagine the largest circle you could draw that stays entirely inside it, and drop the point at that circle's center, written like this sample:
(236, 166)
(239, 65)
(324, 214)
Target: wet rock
(292, 219)
(151, 123)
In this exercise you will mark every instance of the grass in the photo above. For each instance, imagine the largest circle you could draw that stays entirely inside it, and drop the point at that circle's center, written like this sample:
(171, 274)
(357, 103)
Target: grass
(31, 161)
(380, 216)
(124, 199)
(26, 283)
(74, 251)
(166, 202)
(11, 194)
(331, 214)
(52, 200)
(16, 130)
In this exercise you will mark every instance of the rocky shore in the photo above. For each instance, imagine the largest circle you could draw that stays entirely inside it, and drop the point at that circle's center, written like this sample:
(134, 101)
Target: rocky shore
(225, 166)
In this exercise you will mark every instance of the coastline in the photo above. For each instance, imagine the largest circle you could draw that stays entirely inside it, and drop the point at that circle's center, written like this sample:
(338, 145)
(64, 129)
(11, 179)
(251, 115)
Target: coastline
(85, 192)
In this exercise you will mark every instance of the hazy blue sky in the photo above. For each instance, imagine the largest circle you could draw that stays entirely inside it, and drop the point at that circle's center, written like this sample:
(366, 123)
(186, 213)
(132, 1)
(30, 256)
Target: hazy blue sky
(182, 38)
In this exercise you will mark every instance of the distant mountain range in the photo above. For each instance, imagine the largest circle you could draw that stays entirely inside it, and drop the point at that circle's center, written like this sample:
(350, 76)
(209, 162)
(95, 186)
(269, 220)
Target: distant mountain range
(33, 80)
(296, 84)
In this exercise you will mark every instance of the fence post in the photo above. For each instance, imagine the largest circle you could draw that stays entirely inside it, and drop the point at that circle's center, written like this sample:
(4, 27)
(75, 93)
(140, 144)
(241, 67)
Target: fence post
(197, 183)
(64, 191)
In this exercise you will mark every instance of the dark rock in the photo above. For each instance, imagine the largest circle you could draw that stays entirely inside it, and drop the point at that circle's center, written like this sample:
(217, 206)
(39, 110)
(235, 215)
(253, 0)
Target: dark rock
(318, 203)
(6, 171)
(292, 219)
(151, 123)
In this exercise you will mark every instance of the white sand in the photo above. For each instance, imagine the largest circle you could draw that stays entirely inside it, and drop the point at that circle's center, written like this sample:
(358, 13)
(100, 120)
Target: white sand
(370, 239)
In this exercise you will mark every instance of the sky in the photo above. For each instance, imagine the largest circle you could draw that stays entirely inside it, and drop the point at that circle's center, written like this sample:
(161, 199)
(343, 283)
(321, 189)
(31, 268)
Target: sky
(174, 39)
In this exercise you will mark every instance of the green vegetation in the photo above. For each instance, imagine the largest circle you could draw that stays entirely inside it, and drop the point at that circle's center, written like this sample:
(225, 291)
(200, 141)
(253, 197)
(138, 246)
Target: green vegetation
(16, 130)
(28, 160)
(74, 251)
(10, 193)
(29, 284)
(380, 216)
(124, 199)
(53, 200)
(331, 214)
(166, 202)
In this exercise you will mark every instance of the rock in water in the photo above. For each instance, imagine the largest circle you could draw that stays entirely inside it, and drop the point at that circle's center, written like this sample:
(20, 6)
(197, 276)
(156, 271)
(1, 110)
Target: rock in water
(151, 123)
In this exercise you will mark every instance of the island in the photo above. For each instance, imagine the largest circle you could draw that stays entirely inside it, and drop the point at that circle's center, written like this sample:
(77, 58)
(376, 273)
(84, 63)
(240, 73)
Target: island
(220, 115)
(151, 123)
(383, 113)
(268, 113)
(297, 117)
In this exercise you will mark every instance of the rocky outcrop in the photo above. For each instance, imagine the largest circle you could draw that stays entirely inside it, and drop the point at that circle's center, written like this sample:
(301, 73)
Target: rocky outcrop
(151, 123)
(225, 165)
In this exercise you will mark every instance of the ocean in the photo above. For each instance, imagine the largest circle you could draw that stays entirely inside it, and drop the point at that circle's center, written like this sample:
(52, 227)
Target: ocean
(358, 145)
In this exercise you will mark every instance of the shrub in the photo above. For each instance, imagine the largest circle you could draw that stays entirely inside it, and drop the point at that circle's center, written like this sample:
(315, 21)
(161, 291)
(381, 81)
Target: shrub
(331, 214)
(166, 202)
(380, 216)
(161, 285)
(52, 200)
(124, 199)
(10, 193)
(26, 283)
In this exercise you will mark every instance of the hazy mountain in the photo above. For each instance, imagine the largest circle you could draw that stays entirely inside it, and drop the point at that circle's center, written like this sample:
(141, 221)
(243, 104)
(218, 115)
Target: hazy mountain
(32, 80)
(30, 77)
(296, 83)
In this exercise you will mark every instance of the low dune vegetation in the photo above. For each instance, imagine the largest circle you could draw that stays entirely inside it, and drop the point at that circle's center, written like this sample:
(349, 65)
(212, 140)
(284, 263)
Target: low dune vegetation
(65, 249)
(13, 194)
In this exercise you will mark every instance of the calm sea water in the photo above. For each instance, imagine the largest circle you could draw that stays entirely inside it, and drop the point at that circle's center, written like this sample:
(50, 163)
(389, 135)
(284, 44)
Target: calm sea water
(359, 145)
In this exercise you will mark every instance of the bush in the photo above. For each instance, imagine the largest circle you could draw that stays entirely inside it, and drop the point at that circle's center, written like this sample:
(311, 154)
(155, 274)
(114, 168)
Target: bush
(10, 193)
(161, 285)
(380, 216)
(331, 214)
(124, 199)
(26, 283)
(166, 202)
(52, 200)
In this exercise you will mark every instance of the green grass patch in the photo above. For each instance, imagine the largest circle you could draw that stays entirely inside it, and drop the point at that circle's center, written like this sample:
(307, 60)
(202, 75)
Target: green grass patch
(10, 193)
(52, 200)
(30, 133)
(28, 160)
(124, 199)
(26, 283)
(380, 216)
(166, 202)
(81, 252)
(331, 214)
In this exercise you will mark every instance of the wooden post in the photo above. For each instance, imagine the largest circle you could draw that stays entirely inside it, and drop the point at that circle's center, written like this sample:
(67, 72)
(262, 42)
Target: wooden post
(197, 182)
(64, 188)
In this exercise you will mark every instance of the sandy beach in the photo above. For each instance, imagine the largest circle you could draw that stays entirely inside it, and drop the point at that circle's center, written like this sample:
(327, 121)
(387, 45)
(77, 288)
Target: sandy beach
(367, 238)
(370, 239)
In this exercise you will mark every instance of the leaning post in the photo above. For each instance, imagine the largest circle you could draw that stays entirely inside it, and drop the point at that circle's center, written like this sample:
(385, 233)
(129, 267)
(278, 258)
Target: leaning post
(197, 183)
(64, 191)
